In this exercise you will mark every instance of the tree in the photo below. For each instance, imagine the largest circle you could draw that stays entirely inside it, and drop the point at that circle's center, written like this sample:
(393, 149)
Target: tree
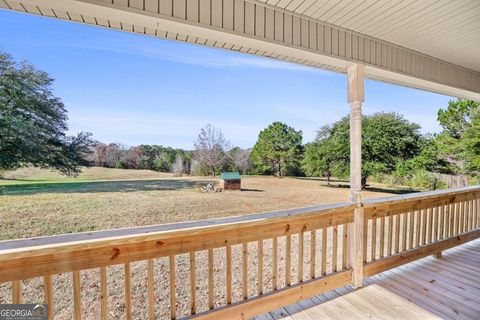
(239, 159)
(460, 138)
(457, 117)
(387, 138)
(115, 155)
(319, 160)
(210, 149)
(178, 166)
(97, 156)
(277, 147)
(33, 122)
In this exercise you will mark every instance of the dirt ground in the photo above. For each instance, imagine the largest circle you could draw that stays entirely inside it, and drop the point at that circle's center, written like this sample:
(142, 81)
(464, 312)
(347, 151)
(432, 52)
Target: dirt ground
(37, 203)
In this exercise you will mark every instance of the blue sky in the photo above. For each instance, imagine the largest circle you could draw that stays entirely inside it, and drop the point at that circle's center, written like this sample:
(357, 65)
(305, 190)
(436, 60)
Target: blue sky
(136, 89)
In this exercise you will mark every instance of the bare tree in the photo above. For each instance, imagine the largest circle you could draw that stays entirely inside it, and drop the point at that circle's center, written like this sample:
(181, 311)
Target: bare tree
(210, 149)
(178, 168)
(98, 155)
(132, 157)
(114, 152)
(241, 160)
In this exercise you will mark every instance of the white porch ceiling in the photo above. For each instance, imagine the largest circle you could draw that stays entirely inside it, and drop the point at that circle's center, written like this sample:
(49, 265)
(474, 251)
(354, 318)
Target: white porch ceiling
(446, 29)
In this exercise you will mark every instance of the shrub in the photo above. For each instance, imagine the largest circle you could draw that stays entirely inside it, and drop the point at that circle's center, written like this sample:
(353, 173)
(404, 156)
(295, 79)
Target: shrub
(119, 164)
(427, 180)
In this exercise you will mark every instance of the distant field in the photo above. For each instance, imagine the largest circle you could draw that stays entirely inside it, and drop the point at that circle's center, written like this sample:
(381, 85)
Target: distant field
(38, 202)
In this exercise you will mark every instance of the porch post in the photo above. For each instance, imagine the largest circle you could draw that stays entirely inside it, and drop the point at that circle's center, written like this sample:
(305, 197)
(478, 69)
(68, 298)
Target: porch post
(356, 229)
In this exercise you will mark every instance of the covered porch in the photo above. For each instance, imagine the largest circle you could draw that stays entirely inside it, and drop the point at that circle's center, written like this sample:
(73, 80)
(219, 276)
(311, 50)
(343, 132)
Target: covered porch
(358, 259)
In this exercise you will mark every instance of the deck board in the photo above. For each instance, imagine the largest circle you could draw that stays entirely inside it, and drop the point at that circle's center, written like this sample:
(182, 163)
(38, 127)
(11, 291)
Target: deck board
(430, 288)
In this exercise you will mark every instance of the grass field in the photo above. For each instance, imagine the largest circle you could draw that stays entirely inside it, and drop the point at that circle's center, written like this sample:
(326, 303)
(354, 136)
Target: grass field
(38, 202)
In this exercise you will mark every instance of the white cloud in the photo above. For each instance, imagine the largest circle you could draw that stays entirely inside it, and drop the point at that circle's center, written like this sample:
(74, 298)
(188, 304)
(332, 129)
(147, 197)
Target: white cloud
(177, 52)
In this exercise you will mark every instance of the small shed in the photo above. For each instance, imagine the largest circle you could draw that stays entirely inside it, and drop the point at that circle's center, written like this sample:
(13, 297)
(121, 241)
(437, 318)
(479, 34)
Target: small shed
(230, 181)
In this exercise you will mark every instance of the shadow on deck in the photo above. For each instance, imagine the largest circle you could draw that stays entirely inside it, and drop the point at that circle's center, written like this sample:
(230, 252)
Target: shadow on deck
(430, 288)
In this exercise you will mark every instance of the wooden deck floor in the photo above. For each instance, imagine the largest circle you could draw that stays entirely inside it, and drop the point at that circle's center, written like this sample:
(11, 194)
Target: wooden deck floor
(446, 288)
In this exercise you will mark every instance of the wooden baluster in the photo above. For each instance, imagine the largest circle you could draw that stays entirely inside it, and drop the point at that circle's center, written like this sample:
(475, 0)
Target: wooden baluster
(382, 238)
(417, 228)
(390, 235)
(334, 248)
(428, 226)
(411, 226)
(477, 213)
(365, 240)
(324, 251)
(48, 287)
(260, 267)
(455, 219)
(151, 290)
(424, 227)
(17, 292)
(275, 263)
(128, 288)
(344, 246)
(451, 219)
(313, 250)
(472, 219)
(459, 217)
(373, 245)
(442, 222)
(210, 279)
(404, 231)
(104, 293)
(470, 212)
(467, 216)
(451, 213)
(229, 274)
(171, 264)
(396, 244)
(300, 256)
(446, 223)
(77, 298)
(193, 280)
(435, 216)
(288, 261)
(245, 271)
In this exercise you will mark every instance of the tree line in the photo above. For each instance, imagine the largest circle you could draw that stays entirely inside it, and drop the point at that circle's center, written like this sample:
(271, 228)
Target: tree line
(201, 161)
(394, 151)
(33, 125)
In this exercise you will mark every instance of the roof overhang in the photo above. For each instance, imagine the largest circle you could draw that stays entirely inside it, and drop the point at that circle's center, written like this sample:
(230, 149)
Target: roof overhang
(292, 35)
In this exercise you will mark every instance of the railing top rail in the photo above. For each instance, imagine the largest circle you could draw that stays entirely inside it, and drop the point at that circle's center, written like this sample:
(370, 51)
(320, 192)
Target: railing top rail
(125, 233)
(419, 196)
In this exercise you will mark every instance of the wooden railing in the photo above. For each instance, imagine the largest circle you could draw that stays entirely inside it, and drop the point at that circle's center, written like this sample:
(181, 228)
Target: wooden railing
(405, 228)
(235, 267)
